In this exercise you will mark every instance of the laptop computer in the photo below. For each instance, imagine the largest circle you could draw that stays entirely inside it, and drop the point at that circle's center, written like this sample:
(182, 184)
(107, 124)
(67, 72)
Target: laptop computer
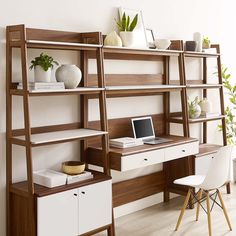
(143, 129)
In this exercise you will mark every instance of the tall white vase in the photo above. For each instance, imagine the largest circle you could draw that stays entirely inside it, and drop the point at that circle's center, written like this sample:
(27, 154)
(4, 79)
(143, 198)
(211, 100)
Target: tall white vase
(40, 75)
(197, 36)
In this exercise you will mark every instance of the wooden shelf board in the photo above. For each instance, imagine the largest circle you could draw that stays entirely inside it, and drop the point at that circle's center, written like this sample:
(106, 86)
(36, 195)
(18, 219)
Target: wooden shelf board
(207, 149)
(124, 50)
(61, 136)
(196, 120)
(21, 188)
(61, 45)
(203, 86)
(136, 90)
(200, 54)
(87, 90)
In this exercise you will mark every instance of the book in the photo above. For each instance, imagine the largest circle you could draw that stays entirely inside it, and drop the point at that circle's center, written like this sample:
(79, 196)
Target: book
(42, 86)
(125, 142)
(80, 177)
(210, 114)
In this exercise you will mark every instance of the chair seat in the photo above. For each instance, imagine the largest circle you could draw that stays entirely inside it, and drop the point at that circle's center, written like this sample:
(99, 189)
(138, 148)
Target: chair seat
(192, 180)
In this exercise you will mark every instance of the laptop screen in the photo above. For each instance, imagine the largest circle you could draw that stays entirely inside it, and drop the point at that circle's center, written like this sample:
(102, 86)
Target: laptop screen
(143, 128)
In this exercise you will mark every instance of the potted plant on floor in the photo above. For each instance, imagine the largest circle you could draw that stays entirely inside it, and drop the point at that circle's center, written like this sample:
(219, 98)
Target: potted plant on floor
(126, 27)
(43, 65)
(230, 111)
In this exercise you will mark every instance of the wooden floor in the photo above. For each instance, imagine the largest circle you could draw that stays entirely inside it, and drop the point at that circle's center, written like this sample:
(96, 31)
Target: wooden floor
(160, 220)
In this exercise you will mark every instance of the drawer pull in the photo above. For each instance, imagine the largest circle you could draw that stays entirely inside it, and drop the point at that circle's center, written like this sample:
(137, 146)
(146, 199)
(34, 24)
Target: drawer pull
(83, 192)
(75, 194)
(183, 150)
(145, 159)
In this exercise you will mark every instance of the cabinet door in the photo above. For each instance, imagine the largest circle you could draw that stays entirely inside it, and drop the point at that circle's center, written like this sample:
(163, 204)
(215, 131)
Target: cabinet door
(58, 214)
(95, 206)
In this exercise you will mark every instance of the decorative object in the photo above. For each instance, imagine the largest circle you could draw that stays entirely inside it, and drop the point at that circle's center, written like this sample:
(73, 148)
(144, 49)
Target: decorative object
(162, 43)
(150, 38)
(113, 39)
(194, 110)
(126, 27)
(206, 106)
(70, 75)
(190, 46)
(139, 38)
(197, 36)
(42, 67)
(73, 167)
(206, 43)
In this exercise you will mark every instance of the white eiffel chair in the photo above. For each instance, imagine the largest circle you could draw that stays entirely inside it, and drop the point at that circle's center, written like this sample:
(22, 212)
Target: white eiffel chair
(217, 176)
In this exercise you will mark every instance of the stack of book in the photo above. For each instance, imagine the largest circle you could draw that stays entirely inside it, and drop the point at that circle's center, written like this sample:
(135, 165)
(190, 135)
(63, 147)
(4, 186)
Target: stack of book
(125, 142)
(210, 114)
(80, 177)
(43, 86)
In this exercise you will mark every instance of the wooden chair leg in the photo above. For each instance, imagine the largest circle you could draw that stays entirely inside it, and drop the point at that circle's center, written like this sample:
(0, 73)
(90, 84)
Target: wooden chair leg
(208, 213)
(198, 204)
(224, 210)
(183, 209)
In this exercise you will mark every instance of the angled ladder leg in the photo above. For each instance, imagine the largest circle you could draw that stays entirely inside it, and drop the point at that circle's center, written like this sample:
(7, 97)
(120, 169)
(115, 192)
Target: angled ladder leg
(209, 213)
(198, 204)
(224, 210)
(183, 209)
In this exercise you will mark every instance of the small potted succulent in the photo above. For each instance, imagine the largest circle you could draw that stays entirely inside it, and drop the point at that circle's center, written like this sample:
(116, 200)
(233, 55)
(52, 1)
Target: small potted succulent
(43, 65)
(126, 27)
(206, 43)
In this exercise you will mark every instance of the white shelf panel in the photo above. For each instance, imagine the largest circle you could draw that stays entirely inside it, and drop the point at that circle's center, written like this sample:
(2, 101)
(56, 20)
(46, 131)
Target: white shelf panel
(87, 89)
(132, 87)
(60, 136)
(64, 44)
(204, 85)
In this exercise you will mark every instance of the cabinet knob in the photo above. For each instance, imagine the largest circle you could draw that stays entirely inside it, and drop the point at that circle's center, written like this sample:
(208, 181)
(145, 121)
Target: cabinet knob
(83, 192)
(75, 194)
(183, 150)
(145, 159)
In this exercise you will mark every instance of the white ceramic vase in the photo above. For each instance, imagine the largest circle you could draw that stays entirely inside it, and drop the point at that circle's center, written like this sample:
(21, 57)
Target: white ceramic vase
(40, 75)
(70, 75)
(196, 112)
(128, 38)
(113, 39)
(198, 38)
(206, 106)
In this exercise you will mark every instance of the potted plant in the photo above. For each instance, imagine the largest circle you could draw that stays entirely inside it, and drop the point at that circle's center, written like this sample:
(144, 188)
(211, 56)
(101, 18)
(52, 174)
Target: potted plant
(43, 65)
(206, 43)
(126, 27)
(194, 110)
(230, 110)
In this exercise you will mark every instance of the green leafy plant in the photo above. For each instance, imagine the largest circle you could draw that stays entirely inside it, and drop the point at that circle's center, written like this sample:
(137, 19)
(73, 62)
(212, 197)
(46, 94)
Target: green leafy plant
(192, 107)
(206, 42)
(231, 108)
(125, 24)
(44, 60)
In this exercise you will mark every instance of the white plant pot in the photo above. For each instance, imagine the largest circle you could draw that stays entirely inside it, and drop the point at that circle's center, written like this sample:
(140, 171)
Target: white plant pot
(206, 106)
(70, 75)
(40, 75)
(128, 38)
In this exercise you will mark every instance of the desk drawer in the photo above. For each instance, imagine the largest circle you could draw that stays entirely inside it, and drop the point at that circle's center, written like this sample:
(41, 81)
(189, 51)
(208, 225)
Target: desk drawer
(143, 159)
(182, 150)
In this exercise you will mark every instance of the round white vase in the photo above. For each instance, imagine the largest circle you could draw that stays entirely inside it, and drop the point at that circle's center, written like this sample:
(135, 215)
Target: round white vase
(206, 106)
(70, 75)
(196, 112)
(40, 75)
(128, 38)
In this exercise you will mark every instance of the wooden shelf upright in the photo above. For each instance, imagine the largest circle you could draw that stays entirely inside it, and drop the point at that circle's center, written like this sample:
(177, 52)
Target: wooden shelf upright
(25, 193)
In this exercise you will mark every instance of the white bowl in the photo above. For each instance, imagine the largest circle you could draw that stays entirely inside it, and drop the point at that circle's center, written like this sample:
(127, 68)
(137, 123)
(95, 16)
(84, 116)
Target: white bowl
(162, 43)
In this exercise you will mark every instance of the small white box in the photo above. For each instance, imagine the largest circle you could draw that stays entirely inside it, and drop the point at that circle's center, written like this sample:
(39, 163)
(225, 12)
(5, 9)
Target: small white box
(49, 178)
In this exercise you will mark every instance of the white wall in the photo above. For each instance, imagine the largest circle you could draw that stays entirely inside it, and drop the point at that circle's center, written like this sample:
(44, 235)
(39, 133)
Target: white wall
(171, 19)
